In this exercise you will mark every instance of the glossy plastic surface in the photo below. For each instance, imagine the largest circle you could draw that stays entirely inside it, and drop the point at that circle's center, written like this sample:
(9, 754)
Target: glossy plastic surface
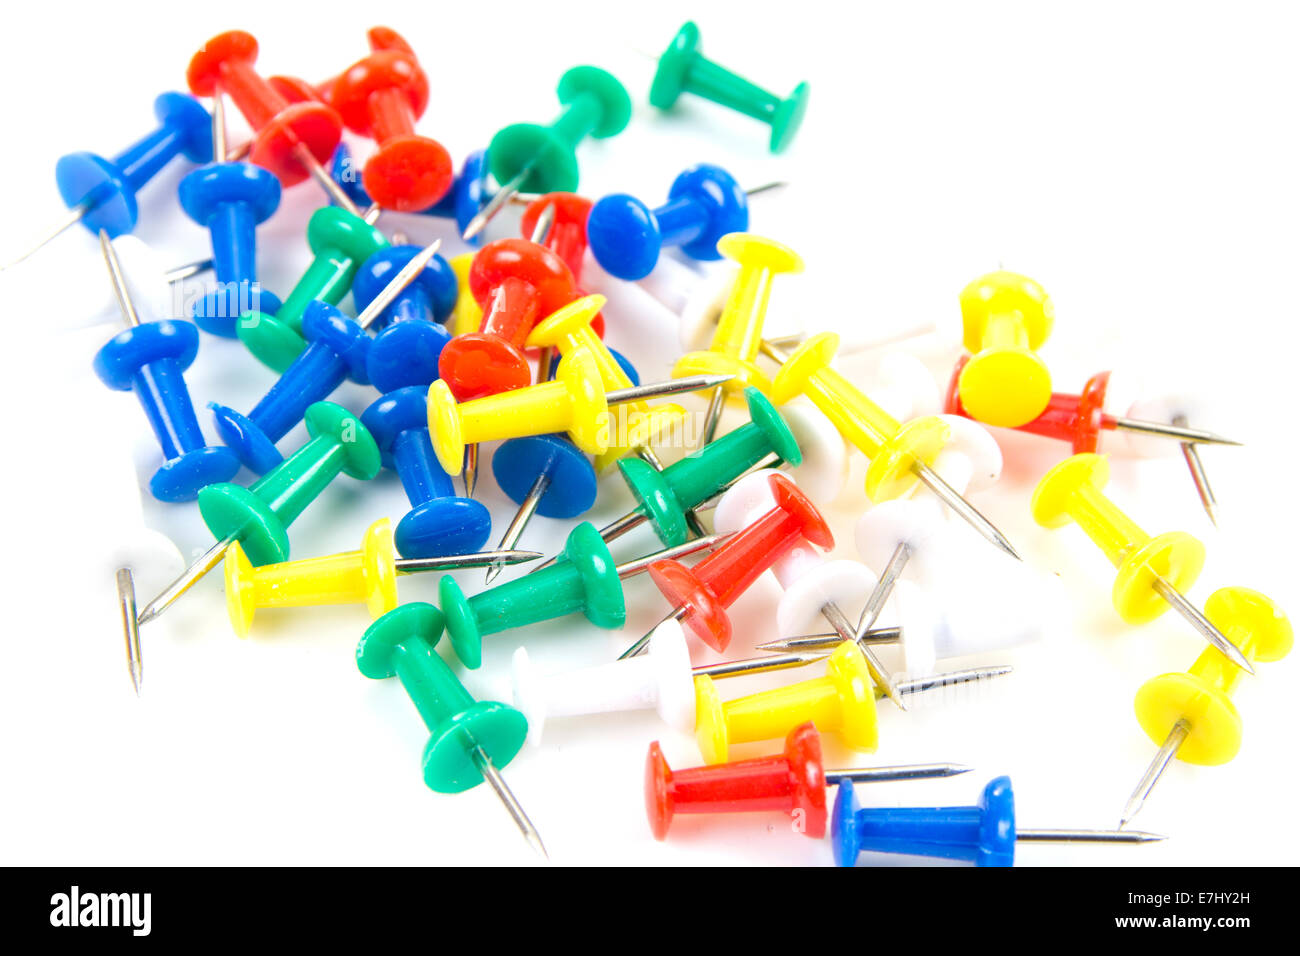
(337, 348)
(665, 496)
(595, 104)
(574, 402)
(467, 315)
(280, 127)
(259, 515)
(1005, 318)
(150, 360)
(1073, 491)
(401, 644)
(367, 576)
(410, 334)
(790, 782)
(684, 69)
(518, 463)
(440, 522)
(1203, 695)
(984, 835)
(109, 186)
(711, 586)
(585, 580)
(843, 701)
(704, 204)
(736, 340)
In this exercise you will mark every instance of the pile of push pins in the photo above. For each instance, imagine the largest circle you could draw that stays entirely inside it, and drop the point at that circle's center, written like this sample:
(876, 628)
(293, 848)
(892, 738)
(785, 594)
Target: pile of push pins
(504, 345)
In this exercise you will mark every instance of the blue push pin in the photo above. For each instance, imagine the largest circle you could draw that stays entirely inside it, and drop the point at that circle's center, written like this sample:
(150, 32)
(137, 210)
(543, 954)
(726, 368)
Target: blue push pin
(465, 200)
(100, 193)
(546, 475)
(337, 349)
(411, 337)
(704, 204)
(985, 835)
(230, 200)
(439, 522)
(150, 359)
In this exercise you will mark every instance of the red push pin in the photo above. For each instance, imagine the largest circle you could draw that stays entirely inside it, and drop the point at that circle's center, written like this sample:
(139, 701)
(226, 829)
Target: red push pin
(792, 782)
(703, 593)
(516, 282)
(567, 238)
(290, 139)
(381, 97)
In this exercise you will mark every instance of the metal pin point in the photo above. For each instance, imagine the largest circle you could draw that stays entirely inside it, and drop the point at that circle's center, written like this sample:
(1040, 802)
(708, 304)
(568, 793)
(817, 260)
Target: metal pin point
(670, 386)
(326, 181)
(131, 630)
(187, 579)
(497, 202)
(120, 290)
(190, 269)
(830, 640)
(1087, 836)
(916, 771)
(515, 530)
(74, 216)
(831, 611)
(508, 799)
(456, 562)
(757, 665)
(884, 587)
(397, 283)
(218, 125)
(1193, 458)
(1175, 431)
(766, 187)
(1192, 614)
(1177, 734)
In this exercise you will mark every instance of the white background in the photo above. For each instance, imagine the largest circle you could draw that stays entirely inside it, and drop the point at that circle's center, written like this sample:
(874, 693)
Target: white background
(1140, 161)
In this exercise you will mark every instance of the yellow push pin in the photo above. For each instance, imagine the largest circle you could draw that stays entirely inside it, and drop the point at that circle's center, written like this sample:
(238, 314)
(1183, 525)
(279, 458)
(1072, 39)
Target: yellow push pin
(739, 334)
(900, 455)
(1153, 572)
(367, 576)
(575, 402)
(1191, 715)
(1005, 318)
(843, 701)
(467, 315)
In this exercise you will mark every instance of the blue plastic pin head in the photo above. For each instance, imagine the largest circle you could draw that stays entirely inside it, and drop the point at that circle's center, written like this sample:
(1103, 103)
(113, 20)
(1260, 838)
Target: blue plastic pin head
(984, 835)
(108, 187)
(518, 462)
(439, 522)
(704, 204)
(411, 337)
(150, 360)
(231, 200)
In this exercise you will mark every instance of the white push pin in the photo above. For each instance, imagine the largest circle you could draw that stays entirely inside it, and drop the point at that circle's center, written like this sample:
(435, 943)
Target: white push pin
(662, 678)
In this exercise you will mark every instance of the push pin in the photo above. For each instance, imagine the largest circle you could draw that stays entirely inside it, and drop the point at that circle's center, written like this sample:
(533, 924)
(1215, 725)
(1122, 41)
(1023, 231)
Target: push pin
(704, 204)
(843, 701)
(661, 678)
(1006, 318)
(412, 333)
(739, 333)
(340, 242)
(793, 782)
(1191, 715)
(337, 349)
(290, 139)
(576, 402)
(900, 455)
(664, 497)
(150, 359)
(1080, 420)
(230, 200)
(1153, 573)
(469, 739)
(567, 236)
(586, 581)
(101, 193)
(526, 157)
(258, 517)
(701, 595)
(439, 522)
(684, 69)
(985, 835)
(466, 317)
(367, 576)
(381, 97)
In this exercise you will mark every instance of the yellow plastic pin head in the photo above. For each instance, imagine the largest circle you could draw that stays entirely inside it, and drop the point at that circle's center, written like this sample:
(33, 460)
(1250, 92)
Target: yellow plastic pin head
(807, 360)
(759, 252)
(847, 669)
(589, 423)
(890, 473)
(466, 317)
(1056, 489)
(1253, 622)
(1005, 318)
(241, 603)
(566, 322)
(379, 568)
(710, 721)
(445, 428)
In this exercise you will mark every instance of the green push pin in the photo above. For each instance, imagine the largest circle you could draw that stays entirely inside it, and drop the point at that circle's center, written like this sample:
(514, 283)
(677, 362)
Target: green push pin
(340, 242)
(468, 739)
(258, 516)
(665, 498)
(684, 69)
(527, 157)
